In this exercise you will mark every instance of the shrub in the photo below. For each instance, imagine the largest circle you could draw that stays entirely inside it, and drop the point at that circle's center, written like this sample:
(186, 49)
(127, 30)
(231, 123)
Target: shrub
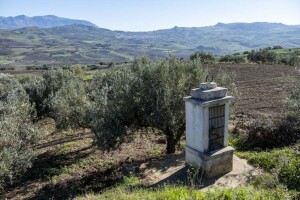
(294, 60)
(232, 59)
(266, 133)
(16, 131)
(43, 67)
(284, 162)
(277, 47)
(205, 57)
(7, 68)
(77, 69)
(284, 60)
(263, 56)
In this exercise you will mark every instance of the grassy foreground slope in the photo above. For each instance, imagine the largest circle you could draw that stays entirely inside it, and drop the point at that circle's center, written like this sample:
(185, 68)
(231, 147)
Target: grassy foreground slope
(181, 192)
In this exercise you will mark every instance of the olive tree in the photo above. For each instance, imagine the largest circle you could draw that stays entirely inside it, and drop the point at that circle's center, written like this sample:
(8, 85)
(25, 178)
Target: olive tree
(264, 56)
(69, 104)
(60, 94)
(17, 134)
(144, 94)
(35, 88)
(205, 57)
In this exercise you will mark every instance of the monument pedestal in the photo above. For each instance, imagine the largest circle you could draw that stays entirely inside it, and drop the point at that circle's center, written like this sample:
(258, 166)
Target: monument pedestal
(207, 117)
(213, 164)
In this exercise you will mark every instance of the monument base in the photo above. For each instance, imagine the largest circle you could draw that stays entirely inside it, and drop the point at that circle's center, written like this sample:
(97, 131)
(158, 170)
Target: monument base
(214, 163)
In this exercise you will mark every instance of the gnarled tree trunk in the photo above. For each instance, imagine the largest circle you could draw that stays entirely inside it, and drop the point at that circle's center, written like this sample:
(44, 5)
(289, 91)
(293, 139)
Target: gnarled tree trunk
(171, 144)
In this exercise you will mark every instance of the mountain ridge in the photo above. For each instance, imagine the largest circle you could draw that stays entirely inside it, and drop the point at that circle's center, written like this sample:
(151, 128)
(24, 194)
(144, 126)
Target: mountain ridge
(46, 21)
(15, 22)
(81, 44)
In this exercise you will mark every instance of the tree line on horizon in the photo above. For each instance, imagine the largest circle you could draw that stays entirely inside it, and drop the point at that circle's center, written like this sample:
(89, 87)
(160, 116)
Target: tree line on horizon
(266, 55)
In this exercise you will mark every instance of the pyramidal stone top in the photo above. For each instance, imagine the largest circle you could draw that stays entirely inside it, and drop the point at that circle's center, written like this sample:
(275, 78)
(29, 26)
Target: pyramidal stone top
(208, 91)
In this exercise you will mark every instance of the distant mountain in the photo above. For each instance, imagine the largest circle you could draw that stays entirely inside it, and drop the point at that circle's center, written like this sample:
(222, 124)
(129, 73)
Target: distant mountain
(47, 21)
(256, 26)
(65, 45)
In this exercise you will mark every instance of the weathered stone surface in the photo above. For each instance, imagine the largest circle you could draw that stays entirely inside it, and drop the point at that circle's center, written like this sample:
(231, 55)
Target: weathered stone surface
(215, 93)
(200, 127)
(208, 86)
(214, 163)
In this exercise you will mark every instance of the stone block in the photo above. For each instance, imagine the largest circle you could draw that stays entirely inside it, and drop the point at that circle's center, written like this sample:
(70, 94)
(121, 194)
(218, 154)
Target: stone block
(215, 93)
(208, 86)
(213, 164)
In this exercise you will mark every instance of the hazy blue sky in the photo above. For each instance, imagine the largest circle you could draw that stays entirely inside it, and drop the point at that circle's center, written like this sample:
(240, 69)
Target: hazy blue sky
(137, 15)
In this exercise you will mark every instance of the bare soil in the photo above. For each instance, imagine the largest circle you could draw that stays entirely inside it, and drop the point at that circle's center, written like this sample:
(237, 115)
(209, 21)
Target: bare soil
(172, 169)
(262, 87)
(69, 164)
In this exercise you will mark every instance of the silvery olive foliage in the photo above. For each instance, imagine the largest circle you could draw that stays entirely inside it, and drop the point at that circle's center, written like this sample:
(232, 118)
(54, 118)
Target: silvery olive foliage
(60, 94)
(144, 94)
(35, 88)
(17, 134)
(69, 104)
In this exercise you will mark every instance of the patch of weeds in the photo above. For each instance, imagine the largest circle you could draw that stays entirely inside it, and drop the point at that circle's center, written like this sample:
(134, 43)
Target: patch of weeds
(285, 162)
(60, 177)
(174, 192)
(234, 141)
(130, 182)
(91, 164)
(194, 176)
(182, 144)
(266, 181)
(108, 163)
(46, 173)
(154, 151)
(66, 147)
(87, 77)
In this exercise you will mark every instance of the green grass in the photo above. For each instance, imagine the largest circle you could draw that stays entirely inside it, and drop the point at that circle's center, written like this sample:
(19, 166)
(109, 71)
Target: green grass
(154, 151)
(87, 77)
(182, 193)
(284, 162)
(66, 147)
(287, 51)
(92, 163)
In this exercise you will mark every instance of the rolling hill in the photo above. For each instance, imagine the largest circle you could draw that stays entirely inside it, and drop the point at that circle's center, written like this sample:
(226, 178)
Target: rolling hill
(81, 44)
(47, 21)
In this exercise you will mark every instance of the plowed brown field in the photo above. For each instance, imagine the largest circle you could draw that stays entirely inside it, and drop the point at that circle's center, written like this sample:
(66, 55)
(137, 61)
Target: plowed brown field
(262, 87)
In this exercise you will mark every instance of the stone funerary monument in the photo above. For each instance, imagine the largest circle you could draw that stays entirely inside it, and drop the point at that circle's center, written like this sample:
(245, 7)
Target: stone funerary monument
(207, 116)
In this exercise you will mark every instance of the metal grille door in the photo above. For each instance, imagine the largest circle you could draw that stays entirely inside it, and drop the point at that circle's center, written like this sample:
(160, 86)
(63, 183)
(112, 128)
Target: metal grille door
(216, 127)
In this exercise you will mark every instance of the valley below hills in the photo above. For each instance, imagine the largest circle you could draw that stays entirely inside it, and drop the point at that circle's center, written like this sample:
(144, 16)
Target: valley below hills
(89, 44)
